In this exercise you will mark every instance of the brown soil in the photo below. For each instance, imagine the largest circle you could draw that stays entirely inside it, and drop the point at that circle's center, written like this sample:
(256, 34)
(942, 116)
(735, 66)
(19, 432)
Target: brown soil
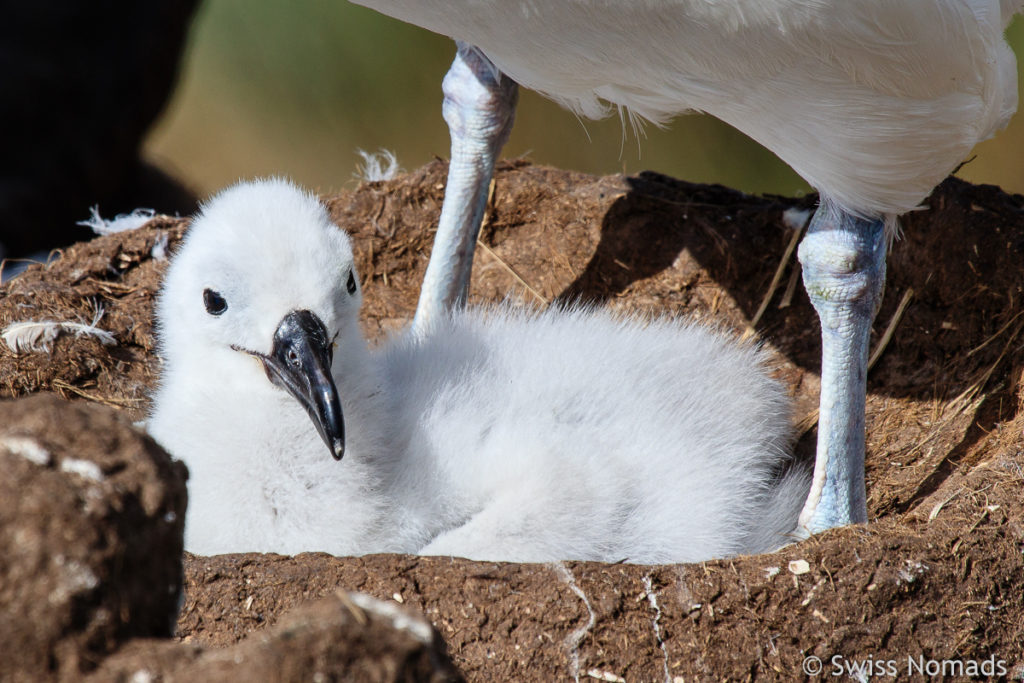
(937, 574)
(91, 520)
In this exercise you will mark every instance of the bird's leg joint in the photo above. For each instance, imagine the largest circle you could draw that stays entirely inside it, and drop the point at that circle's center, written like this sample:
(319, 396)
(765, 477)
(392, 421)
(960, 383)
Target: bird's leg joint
(479, 100)
(843, 259)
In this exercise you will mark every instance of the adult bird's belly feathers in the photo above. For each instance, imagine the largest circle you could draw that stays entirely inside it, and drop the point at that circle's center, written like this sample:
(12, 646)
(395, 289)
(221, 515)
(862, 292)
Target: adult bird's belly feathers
(872, 103)
(498, 434)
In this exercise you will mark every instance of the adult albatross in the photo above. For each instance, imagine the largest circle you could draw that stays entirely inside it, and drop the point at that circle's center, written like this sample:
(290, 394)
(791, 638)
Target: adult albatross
(873, 103)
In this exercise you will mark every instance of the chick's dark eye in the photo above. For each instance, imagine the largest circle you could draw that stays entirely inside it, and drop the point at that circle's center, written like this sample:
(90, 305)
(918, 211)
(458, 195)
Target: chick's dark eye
(351, 286)
(215, 303)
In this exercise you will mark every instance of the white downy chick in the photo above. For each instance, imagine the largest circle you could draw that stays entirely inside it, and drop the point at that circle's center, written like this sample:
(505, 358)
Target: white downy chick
(500, 434)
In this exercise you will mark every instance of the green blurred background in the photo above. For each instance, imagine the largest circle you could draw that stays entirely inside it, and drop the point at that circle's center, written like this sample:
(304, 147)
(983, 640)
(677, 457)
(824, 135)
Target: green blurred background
(295, 88)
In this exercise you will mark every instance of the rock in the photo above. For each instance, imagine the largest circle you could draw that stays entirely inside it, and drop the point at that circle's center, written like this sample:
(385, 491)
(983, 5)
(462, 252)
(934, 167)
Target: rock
(345, 636)
(91, 521)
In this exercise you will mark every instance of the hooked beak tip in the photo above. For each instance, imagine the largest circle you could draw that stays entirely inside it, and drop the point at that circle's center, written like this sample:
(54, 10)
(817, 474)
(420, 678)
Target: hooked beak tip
(300, 363)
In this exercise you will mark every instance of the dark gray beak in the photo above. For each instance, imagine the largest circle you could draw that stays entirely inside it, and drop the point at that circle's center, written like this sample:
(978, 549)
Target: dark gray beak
(300, 363)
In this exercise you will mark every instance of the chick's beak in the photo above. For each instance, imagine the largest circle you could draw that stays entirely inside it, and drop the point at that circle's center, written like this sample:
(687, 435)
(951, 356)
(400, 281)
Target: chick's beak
(300, 363)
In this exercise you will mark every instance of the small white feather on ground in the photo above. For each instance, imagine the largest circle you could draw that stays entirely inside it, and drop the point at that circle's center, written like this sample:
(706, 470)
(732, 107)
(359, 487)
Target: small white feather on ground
(38, 336)
(119, 223)
(377, 166)
(159, 251)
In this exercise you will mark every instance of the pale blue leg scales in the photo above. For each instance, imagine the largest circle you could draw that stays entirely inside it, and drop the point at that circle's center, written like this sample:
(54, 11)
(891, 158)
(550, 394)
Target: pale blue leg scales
(843, 260)
(479, 107)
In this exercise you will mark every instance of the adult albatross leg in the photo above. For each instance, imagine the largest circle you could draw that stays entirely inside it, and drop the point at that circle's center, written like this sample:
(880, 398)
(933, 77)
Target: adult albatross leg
(479, 107)
(843, 259)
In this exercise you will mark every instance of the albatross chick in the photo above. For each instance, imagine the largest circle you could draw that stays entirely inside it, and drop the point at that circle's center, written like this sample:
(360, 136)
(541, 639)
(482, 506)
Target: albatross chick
(495, 434)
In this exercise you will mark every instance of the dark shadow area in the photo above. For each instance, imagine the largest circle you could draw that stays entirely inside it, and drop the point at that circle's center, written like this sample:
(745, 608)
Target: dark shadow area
(83, 81)
(737, 241)
(644, 232)
(995, 408)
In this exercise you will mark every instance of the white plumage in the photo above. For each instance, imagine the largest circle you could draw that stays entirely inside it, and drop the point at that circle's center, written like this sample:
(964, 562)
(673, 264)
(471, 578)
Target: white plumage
(499, 434)
(873, 103)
